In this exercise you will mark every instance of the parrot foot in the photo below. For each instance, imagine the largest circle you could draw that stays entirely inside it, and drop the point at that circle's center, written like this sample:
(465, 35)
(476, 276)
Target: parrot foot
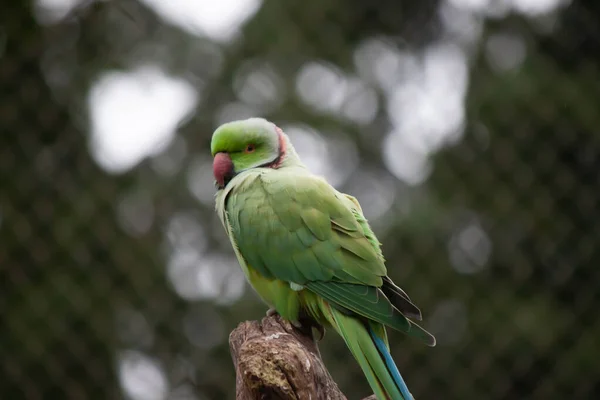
(296, 324)
(271, 312)
(311, 324)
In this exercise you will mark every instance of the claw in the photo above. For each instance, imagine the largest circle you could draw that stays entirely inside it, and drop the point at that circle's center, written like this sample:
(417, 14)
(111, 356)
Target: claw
(271, 312)
(321, 329)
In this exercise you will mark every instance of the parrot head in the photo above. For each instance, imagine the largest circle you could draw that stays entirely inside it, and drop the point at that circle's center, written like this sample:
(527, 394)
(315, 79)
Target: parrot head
(242, 145)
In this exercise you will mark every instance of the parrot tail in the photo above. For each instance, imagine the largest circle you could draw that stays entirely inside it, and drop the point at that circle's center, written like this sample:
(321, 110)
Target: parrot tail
(391, 365)
(372, 354)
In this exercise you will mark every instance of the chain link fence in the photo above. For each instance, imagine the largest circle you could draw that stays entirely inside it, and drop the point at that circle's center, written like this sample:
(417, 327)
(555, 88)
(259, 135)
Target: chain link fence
(468, 130)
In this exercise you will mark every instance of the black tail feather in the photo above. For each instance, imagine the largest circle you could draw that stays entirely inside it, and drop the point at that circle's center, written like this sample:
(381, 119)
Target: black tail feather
(400, 299)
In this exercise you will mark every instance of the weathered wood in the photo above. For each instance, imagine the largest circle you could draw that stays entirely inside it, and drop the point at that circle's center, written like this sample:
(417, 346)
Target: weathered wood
(275, 360)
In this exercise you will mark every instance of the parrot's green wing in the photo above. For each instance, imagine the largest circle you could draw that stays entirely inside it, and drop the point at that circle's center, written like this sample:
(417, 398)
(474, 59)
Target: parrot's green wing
(295, 227)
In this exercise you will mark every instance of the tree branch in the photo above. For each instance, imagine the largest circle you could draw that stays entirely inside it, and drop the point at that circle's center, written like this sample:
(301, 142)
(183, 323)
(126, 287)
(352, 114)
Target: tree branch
(275, 360)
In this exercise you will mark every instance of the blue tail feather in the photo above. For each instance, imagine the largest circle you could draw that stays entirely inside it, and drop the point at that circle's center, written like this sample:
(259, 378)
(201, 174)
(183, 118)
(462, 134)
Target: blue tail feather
(391, 366)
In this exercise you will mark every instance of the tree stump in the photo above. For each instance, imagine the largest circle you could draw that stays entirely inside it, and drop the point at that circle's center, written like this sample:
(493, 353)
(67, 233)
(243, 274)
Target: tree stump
(275, 360)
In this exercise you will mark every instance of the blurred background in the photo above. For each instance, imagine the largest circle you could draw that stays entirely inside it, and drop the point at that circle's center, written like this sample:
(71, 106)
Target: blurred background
(468, 129)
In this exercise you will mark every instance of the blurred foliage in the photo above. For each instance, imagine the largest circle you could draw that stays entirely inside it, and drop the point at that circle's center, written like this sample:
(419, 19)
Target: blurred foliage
(121, 284)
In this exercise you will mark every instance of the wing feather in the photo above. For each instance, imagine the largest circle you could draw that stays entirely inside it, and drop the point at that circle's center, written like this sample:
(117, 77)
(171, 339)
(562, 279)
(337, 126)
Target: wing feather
(368, 301)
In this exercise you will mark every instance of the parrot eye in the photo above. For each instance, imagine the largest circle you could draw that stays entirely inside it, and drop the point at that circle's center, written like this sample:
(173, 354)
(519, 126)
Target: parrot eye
(250, 148)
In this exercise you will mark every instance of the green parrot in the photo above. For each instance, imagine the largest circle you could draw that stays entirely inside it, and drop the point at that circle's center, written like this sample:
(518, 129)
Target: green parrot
(307, 249)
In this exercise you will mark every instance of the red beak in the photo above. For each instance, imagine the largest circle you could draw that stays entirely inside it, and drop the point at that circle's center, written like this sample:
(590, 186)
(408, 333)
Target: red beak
(222, 168)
